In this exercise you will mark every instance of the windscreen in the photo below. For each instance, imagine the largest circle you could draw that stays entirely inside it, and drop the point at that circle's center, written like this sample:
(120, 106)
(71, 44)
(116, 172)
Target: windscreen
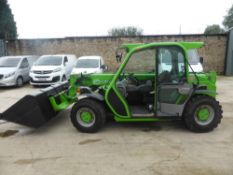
(49, 61)
(87, 63)
(165, 56)
(194, 58)
(9, 62)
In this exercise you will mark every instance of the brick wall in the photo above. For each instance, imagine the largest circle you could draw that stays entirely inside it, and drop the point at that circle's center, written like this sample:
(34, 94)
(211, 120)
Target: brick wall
(213, 52)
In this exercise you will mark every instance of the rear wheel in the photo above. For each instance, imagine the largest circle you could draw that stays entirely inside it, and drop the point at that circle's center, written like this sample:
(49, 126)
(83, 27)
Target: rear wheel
(19, 82)
(88, 115)
(202, 114)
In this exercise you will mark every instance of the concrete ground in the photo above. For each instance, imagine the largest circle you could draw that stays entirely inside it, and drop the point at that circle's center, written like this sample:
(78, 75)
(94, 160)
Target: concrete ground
(136, 148)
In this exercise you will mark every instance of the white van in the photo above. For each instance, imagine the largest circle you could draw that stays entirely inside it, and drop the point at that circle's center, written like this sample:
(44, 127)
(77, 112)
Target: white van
(89, 64)
(193, 58)
(194, 61)
(51, 69)
(14, 70)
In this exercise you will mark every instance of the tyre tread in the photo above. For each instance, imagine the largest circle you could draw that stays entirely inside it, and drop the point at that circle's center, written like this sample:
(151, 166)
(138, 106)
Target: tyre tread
(190, 109)
(99, 110)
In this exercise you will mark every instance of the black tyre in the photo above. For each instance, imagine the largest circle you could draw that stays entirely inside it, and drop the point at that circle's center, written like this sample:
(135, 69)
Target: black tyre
(202, 114)
(88, 115)
(36, 86)
(19, 82)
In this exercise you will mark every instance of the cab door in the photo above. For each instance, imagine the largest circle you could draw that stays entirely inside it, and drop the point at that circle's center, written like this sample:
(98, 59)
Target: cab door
(173, 89)
(125, 95)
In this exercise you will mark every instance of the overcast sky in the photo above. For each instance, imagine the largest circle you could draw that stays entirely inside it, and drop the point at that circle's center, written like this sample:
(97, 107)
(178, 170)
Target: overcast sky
(63, 18)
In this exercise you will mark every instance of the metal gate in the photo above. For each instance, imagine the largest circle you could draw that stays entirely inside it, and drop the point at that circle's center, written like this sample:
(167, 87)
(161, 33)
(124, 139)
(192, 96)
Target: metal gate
(229, 54)
(2, 48)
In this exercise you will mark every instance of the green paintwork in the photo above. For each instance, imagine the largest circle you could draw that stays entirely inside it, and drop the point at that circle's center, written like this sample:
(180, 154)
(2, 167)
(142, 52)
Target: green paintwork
(66, 97)
(187, 45)
(132, 48)
(120, 119)
(203, 114)
(205, 79)
(96, 79)
(86, 117)
(107, 81)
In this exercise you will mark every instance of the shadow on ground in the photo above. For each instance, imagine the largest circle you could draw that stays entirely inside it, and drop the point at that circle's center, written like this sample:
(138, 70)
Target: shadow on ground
(110, 126)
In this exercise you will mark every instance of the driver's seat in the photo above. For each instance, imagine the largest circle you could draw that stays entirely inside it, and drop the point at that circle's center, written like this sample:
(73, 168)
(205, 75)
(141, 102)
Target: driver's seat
(144, 88)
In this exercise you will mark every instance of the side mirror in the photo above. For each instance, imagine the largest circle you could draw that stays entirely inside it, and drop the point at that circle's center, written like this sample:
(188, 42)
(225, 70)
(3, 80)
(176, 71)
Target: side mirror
(22, 66)
(104, 67)
(201, 60)
(118, 56)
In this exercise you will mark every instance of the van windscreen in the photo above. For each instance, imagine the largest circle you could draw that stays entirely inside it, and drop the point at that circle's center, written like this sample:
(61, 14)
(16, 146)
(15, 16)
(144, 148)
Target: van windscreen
(49, 61)
(193, 57)
(87, 63)
(9, 62)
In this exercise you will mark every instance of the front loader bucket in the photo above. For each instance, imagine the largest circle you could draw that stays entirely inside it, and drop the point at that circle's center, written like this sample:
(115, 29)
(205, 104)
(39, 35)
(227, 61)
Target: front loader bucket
(34, 110)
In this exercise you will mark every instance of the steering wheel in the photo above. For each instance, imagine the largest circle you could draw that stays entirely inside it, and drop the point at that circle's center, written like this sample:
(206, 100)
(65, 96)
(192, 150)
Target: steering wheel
(133, 79)
(122, 76)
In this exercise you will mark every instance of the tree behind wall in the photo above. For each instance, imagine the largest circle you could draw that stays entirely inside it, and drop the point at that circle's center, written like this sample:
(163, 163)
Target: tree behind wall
(213, 29)
(8, 28)
(228, 19)
(125, 31)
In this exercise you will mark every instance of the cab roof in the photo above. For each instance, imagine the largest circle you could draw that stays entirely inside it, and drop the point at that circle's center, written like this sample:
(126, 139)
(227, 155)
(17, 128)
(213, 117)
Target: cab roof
(186, 45)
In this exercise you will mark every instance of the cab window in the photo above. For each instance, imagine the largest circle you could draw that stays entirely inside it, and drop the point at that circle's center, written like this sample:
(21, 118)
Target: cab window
(171, 65)
(142, 61)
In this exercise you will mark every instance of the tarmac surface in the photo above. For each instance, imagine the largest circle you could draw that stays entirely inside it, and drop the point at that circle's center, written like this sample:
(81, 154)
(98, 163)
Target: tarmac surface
(119, 148)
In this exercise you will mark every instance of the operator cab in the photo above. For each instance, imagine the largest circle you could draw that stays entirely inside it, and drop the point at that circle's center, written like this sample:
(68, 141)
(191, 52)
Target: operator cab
(147, 84)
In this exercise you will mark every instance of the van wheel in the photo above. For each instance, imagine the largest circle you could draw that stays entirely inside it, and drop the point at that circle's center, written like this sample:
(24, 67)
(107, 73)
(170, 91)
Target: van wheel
(19, 82)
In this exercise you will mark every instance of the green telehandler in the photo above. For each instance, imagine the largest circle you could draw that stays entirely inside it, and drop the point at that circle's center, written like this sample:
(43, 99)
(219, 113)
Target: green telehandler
(152, 83)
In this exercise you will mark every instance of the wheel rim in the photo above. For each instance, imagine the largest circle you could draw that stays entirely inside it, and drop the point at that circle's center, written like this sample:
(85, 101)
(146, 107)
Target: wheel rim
(204, 115)
(19, 82)
(85, 117)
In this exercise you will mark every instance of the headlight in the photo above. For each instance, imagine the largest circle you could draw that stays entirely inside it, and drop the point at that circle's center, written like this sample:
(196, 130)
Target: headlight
(9, 75)
(57, 70)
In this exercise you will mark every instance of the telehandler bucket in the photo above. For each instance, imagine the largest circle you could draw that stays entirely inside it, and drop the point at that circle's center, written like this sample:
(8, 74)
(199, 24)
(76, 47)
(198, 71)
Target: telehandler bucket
(34, 110)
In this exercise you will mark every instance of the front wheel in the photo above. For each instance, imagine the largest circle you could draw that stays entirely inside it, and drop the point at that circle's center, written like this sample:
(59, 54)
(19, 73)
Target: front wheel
(202, 114)
(88, 115)
(19, 82)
